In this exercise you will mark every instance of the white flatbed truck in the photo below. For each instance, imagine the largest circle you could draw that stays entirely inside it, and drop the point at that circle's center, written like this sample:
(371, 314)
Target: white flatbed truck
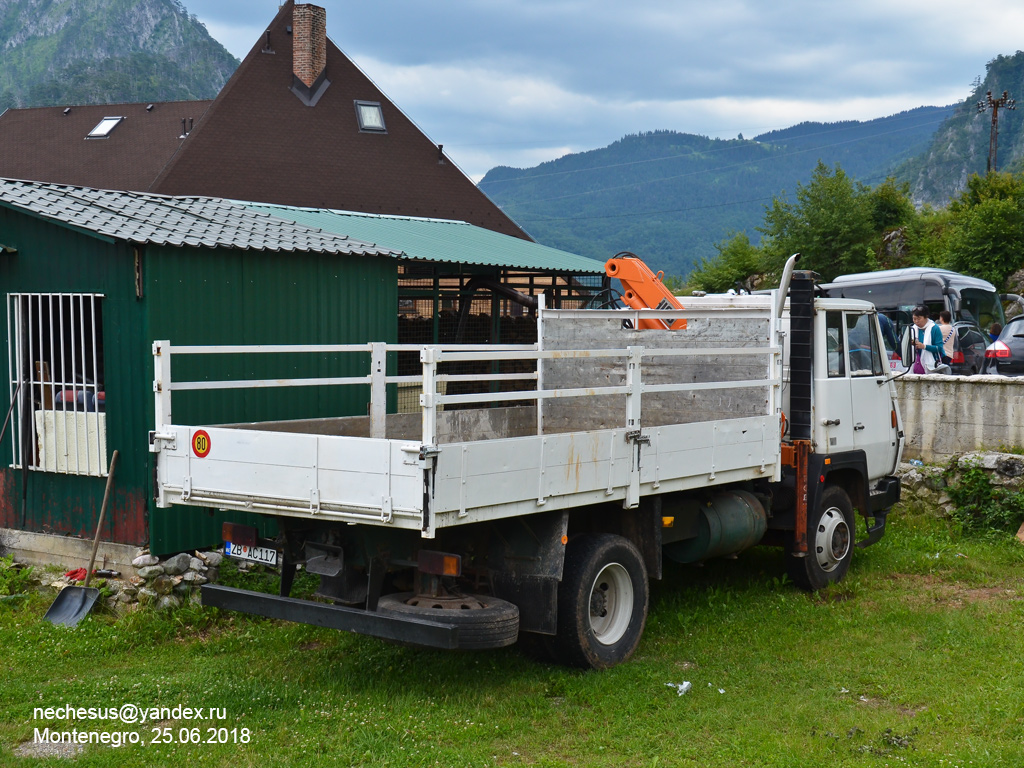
(766, 420)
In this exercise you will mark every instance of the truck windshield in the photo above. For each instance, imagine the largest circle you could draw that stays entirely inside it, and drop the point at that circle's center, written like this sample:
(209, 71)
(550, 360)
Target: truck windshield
(981, 307)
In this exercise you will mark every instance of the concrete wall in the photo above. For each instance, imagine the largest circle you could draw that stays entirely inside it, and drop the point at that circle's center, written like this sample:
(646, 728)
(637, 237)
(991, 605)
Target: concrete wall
(948, 415)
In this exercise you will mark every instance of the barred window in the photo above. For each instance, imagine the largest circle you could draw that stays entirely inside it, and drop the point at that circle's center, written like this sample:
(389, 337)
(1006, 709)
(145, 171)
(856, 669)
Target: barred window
(55, 363)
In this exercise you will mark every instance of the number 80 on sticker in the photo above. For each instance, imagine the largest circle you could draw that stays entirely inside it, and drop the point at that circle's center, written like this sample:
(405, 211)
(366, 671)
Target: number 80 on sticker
(201, 443)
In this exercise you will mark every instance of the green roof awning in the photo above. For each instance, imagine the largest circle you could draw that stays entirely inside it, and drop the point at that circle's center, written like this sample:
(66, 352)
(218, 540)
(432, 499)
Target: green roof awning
(438, 240)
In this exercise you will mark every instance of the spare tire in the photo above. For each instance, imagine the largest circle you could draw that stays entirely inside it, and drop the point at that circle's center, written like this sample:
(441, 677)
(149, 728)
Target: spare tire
(483, 621)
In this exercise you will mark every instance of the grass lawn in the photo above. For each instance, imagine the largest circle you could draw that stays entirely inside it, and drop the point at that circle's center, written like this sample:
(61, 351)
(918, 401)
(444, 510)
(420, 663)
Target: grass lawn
(917, 659)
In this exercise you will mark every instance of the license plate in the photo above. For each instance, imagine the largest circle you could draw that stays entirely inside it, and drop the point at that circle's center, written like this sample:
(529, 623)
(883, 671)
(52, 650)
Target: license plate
(264, 555)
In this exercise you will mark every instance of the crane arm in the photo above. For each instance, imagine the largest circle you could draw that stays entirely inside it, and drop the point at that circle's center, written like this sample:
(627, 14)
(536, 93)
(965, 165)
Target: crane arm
(642, 289)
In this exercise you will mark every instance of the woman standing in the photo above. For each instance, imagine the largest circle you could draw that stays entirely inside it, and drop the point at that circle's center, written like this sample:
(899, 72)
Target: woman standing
(948, 336)
(928, 342)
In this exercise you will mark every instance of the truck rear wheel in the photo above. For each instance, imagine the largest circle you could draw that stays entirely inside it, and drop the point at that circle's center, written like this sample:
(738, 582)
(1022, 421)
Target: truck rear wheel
(602, 602)
(830, 537)
(483, 621)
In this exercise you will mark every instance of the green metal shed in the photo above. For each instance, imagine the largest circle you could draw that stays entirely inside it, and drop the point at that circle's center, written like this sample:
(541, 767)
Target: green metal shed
(92, 277)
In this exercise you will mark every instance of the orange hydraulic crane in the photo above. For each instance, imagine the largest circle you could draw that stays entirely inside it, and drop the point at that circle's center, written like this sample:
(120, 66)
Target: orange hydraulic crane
(642, 289)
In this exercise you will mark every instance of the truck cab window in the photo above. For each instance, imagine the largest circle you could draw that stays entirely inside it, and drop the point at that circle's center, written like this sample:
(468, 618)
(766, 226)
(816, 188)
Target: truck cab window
(834, 345)
(865, 355)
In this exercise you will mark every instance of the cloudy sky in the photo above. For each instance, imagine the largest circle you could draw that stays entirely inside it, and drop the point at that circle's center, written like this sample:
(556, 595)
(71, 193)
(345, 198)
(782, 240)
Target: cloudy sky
(518, 82)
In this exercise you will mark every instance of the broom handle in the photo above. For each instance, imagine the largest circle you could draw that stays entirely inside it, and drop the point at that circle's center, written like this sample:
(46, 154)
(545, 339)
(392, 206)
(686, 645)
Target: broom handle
(99, 524)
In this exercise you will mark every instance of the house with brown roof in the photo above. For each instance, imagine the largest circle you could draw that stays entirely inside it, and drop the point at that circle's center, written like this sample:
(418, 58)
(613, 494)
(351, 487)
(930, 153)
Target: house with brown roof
(297, 124)
(304, 136)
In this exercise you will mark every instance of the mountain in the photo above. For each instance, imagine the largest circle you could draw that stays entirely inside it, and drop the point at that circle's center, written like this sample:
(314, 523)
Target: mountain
(106, 51)
(669, 197)
(961, 144)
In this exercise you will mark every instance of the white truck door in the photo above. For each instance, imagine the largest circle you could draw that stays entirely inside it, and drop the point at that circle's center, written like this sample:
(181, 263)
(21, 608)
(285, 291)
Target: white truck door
(870, 399)
(833, 417)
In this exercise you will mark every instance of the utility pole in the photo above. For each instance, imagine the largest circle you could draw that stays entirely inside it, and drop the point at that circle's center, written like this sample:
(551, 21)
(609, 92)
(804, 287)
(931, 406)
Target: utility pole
(1005, 102)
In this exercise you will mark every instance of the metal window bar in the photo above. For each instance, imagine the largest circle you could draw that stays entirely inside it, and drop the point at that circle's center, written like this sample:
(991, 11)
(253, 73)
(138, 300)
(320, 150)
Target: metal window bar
(55, 351)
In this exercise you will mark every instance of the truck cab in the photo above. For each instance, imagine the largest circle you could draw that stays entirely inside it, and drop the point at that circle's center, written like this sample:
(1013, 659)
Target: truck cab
(855, 406)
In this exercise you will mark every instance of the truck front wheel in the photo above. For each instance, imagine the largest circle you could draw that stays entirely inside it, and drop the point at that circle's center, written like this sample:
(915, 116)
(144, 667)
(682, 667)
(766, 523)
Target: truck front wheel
(602, 601)
(829, 543)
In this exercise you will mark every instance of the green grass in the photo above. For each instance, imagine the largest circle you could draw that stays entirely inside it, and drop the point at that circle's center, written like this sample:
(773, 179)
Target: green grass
(916, 659)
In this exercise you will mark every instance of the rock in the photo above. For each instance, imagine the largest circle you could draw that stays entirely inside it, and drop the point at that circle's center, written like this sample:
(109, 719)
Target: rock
(124, 597)
(137, 581)
(1010, 466)
(129, 590)
(183, 589)
(147, 595)
(143, 561)
(194, 578)
(162, 585)
(1020, 534)
(195, 564)
(151, 571)
(177, 564)
(167, 602)
(213, 559)
(195, 598)
(212, 574)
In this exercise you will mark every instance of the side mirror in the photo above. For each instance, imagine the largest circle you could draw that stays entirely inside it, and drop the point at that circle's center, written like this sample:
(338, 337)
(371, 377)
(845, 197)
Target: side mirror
(907, 347)
(1012, 297)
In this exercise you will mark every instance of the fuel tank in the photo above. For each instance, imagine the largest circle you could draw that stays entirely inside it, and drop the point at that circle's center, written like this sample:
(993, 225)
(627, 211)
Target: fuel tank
(727, 522)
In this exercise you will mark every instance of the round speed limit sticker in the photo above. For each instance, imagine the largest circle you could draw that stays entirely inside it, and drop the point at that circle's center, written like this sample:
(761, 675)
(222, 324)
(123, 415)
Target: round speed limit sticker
(201, 443)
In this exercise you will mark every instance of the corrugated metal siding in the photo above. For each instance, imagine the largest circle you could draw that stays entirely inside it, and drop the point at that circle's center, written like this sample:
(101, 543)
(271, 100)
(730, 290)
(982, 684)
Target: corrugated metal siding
(244, 297)
(440, 240)
(53, 259)
(191, 296)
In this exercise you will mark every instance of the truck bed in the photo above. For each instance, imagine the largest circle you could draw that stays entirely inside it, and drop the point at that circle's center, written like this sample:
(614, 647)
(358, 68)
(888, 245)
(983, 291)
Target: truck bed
(610, 414)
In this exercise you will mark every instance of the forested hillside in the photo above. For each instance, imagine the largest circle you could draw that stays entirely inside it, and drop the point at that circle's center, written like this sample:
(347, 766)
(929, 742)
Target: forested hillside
(106, 51)
(960, 146)
(670, 196)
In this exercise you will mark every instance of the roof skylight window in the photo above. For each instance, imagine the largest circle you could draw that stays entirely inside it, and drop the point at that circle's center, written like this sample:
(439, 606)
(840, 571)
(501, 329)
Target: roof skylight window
(104, 127)
(371, 117)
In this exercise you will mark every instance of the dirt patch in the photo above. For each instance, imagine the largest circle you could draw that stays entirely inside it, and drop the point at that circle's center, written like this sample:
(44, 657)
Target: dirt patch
(46, 749)
(872, 703)
(924, 589)
(314, 645)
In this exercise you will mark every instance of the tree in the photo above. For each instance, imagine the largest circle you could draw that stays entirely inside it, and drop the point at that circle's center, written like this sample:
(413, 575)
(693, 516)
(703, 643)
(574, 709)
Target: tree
(737, 261)
(830, 224)
(986, 231)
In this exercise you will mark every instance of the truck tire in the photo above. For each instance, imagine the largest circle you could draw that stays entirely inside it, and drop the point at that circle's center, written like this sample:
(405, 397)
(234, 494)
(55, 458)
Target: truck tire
(602, 602)
(487, 623)
(830, 538)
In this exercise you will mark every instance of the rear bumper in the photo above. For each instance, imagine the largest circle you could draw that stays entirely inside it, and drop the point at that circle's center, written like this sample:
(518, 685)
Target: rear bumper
(389, 627)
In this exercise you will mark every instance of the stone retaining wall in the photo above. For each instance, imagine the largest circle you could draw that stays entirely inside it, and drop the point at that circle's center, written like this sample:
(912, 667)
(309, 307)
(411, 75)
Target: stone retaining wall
(945, 416)
(926, 485)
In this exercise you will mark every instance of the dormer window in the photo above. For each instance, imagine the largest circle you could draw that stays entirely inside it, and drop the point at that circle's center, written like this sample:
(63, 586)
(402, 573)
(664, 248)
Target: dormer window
(104, 127)
(371, 117)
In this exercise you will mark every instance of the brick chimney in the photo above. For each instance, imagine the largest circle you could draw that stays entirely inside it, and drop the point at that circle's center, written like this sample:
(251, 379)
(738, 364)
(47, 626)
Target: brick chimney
(309, 52)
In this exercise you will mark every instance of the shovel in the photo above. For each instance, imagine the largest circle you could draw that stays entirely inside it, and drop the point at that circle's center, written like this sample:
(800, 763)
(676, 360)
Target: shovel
(74, 603)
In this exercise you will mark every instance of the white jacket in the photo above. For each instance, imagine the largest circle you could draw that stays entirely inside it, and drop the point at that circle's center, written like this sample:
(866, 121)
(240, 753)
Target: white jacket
(928, 359)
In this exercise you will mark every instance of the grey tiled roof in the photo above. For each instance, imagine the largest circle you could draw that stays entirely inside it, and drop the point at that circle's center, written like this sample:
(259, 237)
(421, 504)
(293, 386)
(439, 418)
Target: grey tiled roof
(202, 222)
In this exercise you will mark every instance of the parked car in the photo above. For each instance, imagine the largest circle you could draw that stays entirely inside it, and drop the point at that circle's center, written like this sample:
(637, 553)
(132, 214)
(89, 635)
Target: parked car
(969, 350)
(1005, 356)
